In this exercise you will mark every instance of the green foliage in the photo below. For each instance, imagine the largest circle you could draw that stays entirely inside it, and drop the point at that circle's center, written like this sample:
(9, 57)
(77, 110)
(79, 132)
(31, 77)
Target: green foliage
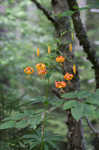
(21, 120)
(8, 124)
(82, 110)
(84, 103)
(77, 94)
(34, 140)
(69, 104)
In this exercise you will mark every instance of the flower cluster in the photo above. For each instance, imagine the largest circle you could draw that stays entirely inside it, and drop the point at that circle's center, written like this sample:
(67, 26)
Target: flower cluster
(62, 84)
(67, 76)
(41, 69)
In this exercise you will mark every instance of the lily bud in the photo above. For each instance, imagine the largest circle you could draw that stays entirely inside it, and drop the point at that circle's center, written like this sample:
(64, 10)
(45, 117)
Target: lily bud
(38, 52)
(49, 50)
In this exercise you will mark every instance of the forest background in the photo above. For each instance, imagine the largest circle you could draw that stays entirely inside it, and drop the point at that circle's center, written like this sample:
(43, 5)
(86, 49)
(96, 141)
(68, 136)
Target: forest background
(23, 99)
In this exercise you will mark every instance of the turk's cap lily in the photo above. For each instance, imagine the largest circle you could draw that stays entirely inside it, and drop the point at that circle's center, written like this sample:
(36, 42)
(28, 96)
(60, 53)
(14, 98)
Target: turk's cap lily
(60, 84)
(40, 66)
(42, 72)
(60, 59)
(68, 76)
(28, 70)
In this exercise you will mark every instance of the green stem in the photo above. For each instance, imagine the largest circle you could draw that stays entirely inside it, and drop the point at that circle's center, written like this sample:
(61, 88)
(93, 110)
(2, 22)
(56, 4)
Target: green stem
(47, 90)
(43, 130)
(44, 120)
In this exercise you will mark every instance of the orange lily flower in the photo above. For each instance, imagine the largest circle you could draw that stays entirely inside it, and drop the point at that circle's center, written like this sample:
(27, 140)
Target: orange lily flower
(60, 59)
(40, 66)
(41, 69)
(68, 76)
(28, 70)
(60, 84)
(42, 72)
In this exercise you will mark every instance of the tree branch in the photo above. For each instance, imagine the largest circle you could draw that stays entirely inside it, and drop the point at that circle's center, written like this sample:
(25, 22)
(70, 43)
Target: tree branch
(91, 126)
(66, 99)
(45, 11)
(81, 34)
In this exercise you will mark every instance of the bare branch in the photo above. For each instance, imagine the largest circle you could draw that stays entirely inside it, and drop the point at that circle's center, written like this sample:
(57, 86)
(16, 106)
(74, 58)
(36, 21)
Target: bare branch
(91, 127)
(45, 11)
(81, 33)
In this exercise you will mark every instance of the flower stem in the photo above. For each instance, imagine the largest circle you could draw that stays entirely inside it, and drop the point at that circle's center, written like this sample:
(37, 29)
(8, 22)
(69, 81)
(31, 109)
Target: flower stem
(44, 120)
(43, 130)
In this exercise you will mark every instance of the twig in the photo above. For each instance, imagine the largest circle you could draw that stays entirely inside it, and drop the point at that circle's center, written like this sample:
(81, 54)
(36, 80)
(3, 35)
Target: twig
(45, 11)
(91, 127)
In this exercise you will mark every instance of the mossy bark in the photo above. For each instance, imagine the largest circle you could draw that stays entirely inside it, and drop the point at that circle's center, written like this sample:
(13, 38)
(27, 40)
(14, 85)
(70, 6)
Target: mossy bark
(63, 33)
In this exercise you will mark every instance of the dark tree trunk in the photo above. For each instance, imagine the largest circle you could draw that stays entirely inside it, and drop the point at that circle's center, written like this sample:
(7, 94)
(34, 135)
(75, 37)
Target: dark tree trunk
(75, 133)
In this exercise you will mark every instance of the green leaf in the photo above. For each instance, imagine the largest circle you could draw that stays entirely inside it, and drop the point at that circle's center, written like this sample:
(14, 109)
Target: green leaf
(69, 104)
(70, 95)
(34, 122)
(83, 94)
(6, 125)
(46, 147)
(89, 110)
(18, 116)
(81, 8)
(57, 103)
(22, 145)
(53, 145)
(21, 124)
(94, 99)
(77, 111)
(81, 110)
(28, 136)
(97, 92)
(95, 114)
(33, 144)
(77, 94)
(54, 138)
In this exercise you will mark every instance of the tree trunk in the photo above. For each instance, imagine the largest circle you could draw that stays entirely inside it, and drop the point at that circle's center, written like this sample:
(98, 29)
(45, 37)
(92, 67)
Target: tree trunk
(75, 133)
